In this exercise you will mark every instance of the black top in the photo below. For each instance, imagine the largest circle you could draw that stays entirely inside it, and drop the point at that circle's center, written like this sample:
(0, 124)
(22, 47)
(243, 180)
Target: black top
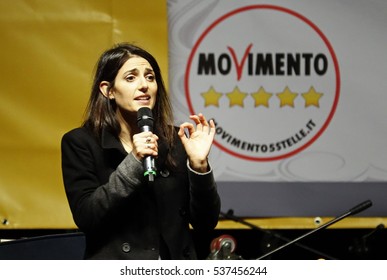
(121, 214)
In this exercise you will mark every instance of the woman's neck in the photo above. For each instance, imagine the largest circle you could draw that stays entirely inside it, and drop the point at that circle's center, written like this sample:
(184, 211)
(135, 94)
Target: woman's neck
(129, 127)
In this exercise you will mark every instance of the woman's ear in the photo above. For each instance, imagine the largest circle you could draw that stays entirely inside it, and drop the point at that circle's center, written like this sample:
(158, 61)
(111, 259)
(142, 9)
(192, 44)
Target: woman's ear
(104, 88)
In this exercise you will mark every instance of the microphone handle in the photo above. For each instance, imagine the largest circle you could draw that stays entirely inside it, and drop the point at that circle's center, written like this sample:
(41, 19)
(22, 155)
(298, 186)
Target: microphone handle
(149, 161)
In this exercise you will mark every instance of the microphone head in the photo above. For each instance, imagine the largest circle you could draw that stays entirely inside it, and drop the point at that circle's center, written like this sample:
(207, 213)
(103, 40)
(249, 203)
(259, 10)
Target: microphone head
(144, 117)
(361, 207)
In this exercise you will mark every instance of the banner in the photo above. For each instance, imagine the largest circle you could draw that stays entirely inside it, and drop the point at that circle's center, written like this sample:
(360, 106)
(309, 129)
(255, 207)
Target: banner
(48, 52)
(296, 89)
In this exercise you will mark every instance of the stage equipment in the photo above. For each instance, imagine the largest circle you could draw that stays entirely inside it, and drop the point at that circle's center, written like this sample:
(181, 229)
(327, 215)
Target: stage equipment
(223, 248)
(357, 209)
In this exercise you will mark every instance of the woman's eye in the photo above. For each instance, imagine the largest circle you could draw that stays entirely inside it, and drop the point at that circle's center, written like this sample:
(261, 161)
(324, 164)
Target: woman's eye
(150, 78)
(130, 78)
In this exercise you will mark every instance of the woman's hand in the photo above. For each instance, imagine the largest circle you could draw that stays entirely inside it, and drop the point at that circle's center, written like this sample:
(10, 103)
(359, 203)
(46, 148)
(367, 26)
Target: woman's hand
(198, 142)
(145, 144)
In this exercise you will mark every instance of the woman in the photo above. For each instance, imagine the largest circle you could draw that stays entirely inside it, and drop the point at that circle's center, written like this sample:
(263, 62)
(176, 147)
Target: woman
(122, 215)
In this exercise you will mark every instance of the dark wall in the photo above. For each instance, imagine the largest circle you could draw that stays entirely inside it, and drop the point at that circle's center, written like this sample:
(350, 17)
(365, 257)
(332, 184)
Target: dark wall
(41, 245)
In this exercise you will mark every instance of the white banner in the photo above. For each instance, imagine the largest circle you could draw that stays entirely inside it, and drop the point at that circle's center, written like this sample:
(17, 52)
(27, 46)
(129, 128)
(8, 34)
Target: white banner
(296, 88)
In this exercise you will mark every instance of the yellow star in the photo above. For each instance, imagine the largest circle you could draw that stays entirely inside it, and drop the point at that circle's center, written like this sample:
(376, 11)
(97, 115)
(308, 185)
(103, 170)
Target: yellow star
(236, 97)
(312, 98)
(287, 97)
(261, 97)
(211, 97)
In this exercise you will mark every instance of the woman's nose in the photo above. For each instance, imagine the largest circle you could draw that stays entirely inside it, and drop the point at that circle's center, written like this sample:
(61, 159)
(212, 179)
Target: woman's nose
(143, 84)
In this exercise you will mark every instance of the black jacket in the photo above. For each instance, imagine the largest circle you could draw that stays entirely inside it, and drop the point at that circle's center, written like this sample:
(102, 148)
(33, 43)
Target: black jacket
(120, 213)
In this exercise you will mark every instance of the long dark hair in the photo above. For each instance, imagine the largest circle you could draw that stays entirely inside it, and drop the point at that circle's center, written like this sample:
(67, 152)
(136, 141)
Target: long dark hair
(101, 111)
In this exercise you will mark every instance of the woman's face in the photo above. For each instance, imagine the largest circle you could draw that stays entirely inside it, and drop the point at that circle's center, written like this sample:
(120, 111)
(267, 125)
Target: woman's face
(135, 85)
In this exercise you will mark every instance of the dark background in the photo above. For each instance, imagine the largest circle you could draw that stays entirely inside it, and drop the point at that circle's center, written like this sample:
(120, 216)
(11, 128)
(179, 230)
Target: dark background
(340, 244)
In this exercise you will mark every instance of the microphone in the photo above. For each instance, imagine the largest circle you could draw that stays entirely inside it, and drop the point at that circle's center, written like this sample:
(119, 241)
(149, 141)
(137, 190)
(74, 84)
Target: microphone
(145, 123)
(357, 209)
(230, 215)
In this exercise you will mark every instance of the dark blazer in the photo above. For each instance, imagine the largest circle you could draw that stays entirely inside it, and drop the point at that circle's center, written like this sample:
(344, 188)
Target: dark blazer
(121, 214)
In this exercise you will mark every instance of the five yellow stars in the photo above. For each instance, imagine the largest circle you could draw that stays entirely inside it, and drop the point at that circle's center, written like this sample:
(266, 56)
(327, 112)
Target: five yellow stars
(262, 97)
